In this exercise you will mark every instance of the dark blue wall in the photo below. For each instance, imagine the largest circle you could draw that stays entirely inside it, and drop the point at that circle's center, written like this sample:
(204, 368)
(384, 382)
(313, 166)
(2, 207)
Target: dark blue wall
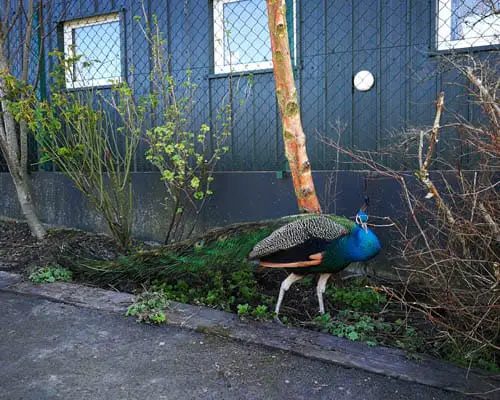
(239, 196)
(336, 38)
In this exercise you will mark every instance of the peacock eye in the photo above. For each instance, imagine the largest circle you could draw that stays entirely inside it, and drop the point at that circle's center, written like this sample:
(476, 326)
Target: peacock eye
(199, 244)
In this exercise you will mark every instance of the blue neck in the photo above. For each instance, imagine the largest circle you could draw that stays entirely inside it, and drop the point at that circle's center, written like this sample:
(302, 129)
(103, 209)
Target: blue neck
(357, 246)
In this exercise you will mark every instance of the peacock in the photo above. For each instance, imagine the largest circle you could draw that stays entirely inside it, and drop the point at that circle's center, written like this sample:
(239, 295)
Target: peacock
(319, 244)
(301, 244)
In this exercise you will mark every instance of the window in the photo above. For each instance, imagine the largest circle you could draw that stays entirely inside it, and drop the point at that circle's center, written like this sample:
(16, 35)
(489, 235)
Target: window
(96, 43)
(241, 35)
(467, 23)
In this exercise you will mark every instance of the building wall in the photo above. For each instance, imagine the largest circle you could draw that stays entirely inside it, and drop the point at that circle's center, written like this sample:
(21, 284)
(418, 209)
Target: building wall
(393, 39)
(335, 39)
(239, 197)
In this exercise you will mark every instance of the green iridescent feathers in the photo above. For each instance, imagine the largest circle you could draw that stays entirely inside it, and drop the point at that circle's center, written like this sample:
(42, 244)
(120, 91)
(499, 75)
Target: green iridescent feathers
(224, 249)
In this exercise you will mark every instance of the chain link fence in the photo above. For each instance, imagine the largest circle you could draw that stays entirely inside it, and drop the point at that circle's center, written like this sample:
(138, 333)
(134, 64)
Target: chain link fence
(364, 69)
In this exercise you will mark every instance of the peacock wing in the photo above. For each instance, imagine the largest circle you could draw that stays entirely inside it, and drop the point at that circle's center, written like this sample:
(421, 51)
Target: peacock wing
(298, 233)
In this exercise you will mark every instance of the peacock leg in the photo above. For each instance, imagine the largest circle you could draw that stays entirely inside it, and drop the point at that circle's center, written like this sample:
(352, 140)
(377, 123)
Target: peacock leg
(285, 285)
(320, 289)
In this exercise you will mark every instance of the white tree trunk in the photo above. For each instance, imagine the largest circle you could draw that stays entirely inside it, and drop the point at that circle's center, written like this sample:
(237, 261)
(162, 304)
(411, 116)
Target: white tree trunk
(24, 195)
(13, 144)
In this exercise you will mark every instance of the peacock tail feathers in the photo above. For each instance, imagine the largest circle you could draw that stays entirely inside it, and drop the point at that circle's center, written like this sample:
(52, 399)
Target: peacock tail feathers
(224, 249)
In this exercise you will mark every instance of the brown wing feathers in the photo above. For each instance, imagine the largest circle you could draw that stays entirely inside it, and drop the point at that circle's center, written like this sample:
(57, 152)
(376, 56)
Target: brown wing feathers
(315, 259)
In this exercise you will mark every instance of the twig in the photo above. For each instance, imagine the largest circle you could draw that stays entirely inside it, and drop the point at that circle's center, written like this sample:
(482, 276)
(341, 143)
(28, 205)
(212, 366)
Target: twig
(423, 174)
(488, 101)
(489, 219)
(474, 203)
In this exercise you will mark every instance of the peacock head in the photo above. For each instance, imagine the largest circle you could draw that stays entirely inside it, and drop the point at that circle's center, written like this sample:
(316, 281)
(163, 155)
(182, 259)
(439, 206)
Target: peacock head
(362, 219)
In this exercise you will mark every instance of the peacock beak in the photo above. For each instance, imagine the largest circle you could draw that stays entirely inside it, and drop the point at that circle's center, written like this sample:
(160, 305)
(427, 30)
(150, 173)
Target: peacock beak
(364, 226)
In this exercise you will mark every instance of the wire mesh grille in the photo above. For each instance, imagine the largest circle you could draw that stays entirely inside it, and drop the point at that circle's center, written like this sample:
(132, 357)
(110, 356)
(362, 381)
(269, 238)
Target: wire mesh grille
(94, 44)
(394, 49)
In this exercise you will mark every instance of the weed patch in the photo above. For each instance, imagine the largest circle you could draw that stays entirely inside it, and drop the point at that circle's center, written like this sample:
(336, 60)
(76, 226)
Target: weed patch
(362, 299)
(218, 289)
(149, 307)
(51, 273)
(467, 355)
(370, 329)
(259, 313)
(353, 326)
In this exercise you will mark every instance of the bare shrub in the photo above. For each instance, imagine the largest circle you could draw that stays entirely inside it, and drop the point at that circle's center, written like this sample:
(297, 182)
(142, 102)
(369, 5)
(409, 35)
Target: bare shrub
(449, 245)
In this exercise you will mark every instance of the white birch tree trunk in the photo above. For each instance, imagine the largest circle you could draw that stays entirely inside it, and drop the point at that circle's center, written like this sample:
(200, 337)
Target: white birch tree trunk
(13, 144)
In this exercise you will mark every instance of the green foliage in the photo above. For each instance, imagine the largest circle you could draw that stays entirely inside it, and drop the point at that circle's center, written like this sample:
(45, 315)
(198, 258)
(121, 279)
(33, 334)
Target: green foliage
(212, 271)
(468, 355)
(354, 326)
(359, 319)
(78, 133)
(50, 274)
(363, 299)
(243, 309)
(371, 329)
(149, 307)
(259, 313)
(18, 95)
(407, 337)
(185, 155)
(216, 288)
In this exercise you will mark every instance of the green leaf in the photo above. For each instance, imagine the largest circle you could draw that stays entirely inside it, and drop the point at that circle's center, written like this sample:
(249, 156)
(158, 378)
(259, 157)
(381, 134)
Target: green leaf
(195, 182)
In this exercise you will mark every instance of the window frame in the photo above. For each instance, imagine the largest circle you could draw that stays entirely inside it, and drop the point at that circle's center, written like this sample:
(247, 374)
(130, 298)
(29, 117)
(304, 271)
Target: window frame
(219, 65)
(72, 81)
(444, 13)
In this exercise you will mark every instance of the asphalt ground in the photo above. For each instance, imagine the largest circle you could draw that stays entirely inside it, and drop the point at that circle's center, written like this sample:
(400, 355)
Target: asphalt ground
(50, 350)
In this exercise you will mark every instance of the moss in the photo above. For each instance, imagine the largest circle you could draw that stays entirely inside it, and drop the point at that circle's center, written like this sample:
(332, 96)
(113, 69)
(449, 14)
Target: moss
(215, 330)
(304, 192)
(279, 96)
(288, 135)
(279, 56)
(292, 109)
(281, 30)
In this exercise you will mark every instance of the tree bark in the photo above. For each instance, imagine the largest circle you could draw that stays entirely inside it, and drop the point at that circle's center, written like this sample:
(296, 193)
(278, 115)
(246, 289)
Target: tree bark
(13, 145)
(24, 195)
(286, 93)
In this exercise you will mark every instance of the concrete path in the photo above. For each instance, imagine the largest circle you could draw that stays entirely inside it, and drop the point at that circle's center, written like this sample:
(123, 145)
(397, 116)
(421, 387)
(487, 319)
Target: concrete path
(50, 350)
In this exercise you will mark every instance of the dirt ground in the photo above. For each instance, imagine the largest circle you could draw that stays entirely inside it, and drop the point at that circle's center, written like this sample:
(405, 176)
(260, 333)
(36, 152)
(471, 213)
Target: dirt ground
(20, 251)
